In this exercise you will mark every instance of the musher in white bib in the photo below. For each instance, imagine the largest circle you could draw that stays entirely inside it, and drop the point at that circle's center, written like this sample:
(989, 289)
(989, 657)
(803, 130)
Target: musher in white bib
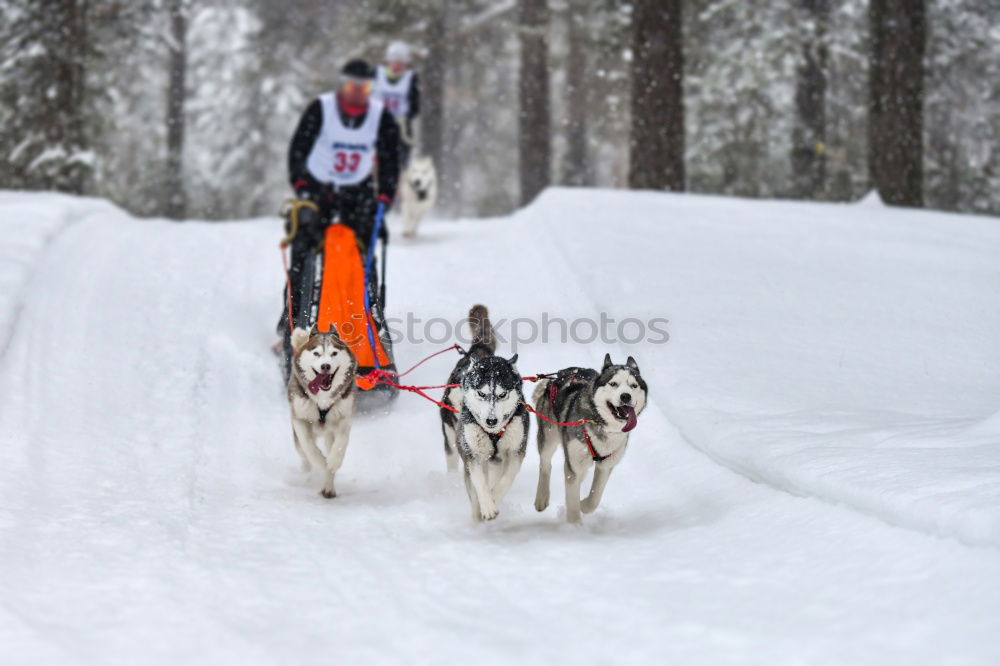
(397, 85)
(344, 157)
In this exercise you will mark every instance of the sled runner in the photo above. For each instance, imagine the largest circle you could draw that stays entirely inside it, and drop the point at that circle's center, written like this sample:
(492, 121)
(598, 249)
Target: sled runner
(339, 291)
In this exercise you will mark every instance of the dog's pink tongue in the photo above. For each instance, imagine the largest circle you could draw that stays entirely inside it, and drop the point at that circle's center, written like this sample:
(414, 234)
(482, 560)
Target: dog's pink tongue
(316, 384)
(630, 417)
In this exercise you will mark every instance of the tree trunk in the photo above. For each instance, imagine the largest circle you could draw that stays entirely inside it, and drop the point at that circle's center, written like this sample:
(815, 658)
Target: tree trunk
(656, 143)
(432, 94)
(895, 115)
(809, 135)
(175, 204)
(65, 127)
(576, 168)
(533, 119)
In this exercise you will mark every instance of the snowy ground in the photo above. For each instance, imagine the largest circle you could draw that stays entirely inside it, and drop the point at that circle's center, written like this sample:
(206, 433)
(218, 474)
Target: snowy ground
(816, 481)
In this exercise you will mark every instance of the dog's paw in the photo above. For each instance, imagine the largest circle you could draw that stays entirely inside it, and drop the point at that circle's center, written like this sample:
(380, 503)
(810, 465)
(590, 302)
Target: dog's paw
(541, 503)
(488, 512)
(587, 506)
(328, 494)
(574, 517)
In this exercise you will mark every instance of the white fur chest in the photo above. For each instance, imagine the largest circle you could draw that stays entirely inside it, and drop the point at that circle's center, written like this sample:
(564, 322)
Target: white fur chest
(480, 444)
(308, 408)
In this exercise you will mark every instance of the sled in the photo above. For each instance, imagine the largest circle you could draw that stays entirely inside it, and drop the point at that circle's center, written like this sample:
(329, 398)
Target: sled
(338, 297)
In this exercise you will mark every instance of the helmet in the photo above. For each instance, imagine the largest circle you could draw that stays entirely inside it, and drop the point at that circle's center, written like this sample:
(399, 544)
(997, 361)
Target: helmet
(397, 52)
(357, 69)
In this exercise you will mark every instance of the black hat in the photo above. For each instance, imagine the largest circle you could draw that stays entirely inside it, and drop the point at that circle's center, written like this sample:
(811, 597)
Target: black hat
(358, 69)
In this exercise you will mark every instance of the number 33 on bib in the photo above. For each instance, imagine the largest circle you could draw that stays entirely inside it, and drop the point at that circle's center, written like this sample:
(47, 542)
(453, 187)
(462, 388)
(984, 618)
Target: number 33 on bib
(342, 155)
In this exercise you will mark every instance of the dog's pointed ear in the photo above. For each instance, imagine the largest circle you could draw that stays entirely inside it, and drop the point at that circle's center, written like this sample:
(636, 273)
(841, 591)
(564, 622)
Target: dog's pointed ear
(632, 364)
(513, 359)
(333, 329)
(607, 361)
(314, 330)
(300, 337)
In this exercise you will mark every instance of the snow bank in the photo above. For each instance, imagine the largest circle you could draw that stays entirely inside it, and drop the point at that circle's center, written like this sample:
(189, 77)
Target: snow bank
(840, 351)
(29, 223)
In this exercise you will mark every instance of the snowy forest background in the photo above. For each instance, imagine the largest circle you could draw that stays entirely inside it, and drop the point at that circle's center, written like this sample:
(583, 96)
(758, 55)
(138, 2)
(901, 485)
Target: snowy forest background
(184, 107)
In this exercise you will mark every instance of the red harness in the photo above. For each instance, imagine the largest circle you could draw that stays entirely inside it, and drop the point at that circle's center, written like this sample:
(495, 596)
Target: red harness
(553, 391)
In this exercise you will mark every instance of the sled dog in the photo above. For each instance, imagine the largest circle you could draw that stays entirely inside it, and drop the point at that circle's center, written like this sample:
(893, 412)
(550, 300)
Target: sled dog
(321, 397)
(610, 402)
(419, 193)
(490, 430)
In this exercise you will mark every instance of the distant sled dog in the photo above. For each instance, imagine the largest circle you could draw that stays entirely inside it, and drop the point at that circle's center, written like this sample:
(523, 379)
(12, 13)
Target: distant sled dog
(419, 192)
(490, 431)
(321, 398)
(610, 401)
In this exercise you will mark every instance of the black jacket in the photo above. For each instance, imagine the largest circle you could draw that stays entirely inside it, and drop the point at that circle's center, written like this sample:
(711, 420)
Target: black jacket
(386, 151)
(414, 98)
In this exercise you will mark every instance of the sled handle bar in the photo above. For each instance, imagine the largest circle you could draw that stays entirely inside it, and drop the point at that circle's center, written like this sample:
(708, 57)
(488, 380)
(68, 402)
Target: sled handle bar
(370, 256)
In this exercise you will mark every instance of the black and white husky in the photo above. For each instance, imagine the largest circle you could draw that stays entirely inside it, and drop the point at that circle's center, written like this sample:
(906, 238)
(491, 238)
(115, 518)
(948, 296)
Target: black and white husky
(321, 397)
(610, 402)
(490, 430)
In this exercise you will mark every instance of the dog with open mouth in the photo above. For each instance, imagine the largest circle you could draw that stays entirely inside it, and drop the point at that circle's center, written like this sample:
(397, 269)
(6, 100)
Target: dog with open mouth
(489, 430)
(321, 395)
(607, 404)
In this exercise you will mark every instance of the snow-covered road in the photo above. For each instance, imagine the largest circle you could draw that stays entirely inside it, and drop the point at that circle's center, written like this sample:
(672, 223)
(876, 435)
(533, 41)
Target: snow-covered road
(834, 497)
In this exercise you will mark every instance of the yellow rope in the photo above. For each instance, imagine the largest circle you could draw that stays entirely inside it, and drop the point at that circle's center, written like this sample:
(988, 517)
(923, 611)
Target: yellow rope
(291, 209)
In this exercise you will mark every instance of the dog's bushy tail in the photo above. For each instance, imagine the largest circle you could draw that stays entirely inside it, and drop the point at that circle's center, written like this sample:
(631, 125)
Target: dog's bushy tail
(482, 329)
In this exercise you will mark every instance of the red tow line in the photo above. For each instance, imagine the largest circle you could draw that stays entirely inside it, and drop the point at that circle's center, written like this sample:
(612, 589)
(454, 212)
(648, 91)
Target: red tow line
(288, 286)
(388, 378)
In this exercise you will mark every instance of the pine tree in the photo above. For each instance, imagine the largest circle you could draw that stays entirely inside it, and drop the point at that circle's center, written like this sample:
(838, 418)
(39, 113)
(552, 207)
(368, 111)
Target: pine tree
(534, 135)
(656, 145)
(432, 81)
(576, 164)
(175, 200)
(46, 133)
(809, 134)
(895, 141)
(962, 107)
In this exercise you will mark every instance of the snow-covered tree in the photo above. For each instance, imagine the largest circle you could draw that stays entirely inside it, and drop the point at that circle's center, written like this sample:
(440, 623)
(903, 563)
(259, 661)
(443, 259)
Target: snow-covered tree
(962, 106)
(47, 120)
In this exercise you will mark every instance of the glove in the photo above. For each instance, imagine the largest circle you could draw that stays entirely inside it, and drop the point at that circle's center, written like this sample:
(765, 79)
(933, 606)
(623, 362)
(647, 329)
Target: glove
(301, 188)
(307, 187)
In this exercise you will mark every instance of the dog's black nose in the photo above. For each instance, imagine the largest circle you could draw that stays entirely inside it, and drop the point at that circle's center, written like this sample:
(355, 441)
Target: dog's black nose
(626, 398)
(325, 367)
(491, 422)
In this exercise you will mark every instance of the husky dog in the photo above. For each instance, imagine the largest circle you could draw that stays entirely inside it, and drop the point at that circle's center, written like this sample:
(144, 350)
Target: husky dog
(419, 192)
(490, 430)
(321, 397)
(610, 401)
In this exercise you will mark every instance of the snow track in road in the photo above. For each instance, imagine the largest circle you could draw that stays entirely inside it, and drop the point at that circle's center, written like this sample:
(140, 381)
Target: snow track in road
(151, 511)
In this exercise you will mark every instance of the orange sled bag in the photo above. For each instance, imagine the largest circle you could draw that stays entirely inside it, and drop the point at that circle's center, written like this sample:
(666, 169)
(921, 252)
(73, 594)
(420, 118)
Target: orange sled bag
(342, 304)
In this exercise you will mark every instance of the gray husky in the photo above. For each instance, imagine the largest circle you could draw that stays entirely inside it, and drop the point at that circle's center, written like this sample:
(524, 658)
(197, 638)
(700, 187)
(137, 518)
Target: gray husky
(610, 402)
(490, 430)
(321, 397)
